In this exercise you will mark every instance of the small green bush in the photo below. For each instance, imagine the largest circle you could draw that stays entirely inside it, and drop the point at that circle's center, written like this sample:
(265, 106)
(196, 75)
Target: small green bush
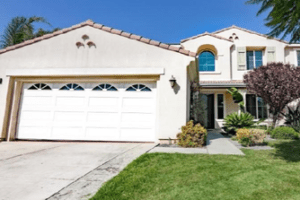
(192, 135)
(284, 132)
(235, 121)
(246, 141)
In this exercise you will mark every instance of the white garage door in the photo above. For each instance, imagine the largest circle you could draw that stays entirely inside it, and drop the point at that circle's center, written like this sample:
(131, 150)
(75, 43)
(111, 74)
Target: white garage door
(88, 111)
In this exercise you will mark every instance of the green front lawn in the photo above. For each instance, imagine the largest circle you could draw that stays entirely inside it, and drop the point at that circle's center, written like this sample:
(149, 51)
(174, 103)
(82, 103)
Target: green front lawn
(272, 174)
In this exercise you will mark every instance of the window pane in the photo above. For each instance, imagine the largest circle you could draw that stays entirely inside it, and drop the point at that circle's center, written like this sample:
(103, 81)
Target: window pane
(262, 108)
(258, 59)
(250, 57)
(220, 106)
(47, 88)
(146, 89)
(251, 104)
(79, 88)
(298, 57)
(206, 61)
(64, 88)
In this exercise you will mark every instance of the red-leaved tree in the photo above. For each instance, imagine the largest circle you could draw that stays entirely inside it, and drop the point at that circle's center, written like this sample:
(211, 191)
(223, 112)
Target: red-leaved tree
(276, 83)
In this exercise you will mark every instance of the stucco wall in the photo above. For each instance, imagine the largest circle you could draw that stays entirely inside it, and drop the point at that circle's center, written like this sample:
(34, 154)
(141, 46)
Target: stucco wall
(226, 61)
(246, 39)
(222, 62)
(111, 51)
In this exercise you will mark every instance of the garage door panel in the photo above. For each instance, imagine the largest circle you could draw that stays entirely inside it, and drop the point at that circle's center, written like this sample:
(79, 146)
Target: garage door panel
(35, 93)
(35, 132)
(38, 100)
(35, 123)
(102, 114)
(137, 102)
(103, 101)
(69, 116)
(105, 94)
(36, 115)
(137, 134)
(137, 110)
(68, 133)
(70, 101)
(103, 109)
(137, 117)
(97, 133)
(134, 125)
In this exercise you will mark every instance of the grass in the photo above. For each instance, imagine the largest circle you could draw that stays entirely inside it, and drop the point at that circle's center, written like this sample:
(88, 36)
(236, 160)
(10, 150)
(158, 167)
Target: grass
(272, 174)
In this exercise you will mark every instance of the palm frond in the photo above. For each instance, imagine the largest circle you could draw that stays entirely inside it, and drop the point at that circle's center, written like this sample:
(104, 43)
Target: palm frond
(19, 30)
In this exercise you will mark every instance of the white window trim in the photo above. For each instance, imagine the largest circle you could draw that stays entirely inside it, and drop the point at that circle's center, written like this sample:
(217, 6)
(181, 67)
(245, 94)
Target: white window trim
(209, 72)
(254, 59)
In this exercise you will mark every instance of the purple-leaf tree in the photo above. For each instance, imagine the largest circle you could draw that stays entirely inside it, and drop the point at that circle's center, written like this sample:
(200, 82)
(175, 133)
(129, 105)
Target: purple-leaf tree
(277, 84)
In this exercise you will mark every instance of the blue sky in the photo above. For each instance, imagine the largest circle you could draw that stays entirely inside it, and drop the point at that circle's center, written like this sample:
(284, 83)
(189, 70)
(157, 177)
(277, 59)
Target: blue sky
(167, 21)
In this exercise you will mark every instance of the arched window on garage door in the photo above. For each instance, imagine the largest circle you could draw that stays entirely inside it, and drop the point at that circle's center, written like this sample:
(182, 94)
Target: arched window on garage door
(138, 87)
(72, 86)
(39, 86)
(105, 87)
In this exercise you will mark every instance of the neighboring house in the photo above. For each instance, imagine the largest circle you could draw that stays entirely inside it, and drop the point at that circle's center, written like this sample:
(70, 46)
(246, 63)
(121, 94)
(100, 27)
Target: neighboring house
(93, 82)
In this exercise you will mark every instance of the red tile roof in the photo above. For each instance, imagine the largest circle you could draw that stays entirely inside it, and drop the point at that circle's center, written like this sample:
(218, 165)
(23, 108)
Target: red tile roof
(205, 34)
(104, 28)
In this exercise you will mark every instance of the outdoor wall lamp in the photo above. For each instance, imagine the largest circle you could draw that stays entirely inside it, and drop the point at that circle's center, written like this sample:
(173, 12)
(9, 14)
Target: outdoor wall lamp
(0, 80)
(172, 81)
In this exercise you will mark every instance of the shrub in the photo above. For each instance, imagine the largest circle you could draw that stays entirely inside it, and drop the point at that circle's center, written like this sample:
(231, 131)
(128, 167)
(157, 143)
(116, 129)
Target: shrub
(284, 132)
(235, 121)
(245, 141)
(258, 135)
(269, 130)
(241, 133)
(249, 137)
(192, 135)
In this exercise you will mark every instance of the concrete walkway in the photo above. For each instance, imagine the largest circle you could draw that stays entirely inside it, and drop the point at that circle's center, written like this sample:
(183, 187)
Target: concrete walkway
(216, 144)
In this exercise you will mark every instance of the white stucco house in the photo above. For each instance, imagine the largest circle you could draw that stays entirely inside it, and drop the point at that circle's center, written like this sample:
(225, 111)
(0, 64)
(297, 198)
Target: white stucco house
(95, 83)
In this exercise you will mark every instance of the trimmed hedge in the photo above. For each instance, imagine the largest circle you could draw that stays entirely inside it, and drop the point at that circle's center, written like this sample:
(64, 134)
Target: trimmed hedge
(284, 132)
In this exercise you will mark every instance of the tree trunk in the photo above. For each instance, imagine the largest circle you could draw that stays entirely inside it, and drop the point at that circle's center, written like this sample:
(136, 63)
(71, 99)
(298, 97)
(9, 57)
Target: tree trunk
(275, 117)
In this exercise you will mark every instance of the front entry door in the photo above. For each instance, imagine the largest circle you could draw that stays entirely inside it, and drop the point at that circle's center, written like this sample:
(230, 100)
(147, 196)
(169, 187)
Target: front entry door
(209, 111)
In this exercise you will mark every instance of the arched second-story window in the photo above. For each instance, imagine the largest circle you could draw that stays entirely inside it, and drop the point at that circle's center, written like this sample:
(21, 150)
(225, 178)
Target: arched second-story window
(206, 61)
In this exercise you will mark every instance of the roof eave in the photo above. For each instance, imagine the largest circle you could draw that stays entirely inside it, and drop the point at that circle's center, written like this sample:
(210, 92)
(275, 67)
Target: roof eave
(104, 28)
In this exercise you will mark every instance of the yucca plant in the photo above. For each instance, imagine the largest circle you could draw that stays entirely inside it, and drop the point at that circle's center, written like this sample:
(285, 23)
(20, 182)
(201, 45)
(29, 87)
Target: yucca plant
(236, 121)
(292, 117)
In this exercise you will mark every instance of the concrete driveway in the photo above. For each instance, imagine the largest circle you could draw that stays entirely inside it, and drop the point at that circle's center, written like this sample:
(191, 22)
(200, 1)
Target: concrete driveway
(54, 170)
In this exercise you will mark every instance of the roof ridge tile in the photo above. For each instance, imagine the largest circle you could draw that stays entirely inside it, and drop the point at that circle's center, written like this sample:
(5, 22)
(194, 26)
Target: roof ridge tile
(204, 34)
